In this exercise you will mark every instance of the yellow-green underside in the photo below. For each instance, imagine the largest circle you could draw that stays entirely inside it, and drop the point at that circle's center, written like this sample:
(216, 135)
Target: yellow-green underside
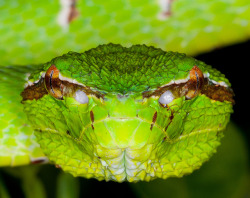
(121, 150)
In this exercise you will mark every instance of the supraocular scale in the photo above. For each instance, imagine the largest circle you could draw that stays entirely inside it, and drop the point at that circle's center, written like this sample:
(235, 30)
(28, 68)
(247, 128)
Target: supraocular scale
(123, 131)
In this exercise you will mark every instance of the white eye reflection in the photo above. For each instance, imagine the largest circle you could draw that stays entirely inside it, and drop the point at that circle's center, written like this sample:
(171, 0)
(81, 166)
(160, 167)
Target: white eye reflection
(81, 97)
(166, 98)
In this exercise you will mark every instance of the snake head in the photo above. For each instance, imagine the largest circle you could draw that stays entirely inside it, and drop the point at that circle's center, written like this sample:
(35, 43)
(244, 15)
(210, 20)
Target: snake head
(138, 113)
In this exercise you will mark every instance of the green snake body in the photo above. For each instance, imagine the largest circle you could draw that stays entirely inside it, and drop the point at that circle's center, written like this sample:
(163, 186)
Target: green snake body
(30, 32)
(121, 130)
(99, 113)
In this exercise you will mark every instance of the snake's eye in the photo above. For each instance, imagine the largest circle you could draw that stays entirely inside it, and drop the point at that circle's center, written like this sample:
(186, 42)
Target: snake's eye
(166, 98)
(195, 83)
(81, 97)
(53, 84)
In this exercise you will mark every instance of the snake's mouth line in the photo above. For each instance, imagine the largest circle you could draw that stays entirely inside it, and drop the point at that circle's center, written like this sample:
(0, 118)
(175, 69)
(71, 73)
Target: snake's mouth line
(90, 125)
(120, 118)
(79, 139)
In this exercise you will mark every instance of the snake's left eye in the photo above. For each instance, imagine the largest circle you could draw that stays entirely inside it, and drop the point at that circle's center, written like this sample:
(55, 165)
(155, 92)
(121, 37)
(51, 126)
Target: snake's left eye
(53, 84)
(166, 98)
(81, 97)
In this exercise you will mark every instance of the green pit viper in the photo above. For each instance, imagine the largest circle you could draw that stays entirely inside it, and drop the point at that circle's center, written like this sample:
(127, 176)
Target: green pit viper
(114, 113)
(118, 113)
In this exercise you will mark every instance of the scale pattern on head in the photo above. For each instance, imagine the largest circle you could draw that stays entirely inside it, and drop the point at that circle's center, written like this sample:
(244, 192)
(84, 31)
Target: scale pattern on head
(113, 68)
(132, 114)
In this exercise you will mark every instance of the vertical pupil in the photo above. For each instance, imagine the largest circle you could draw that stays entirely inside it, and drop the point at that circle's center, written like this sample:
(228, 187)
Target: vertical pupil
(198, 82)
(50, 81)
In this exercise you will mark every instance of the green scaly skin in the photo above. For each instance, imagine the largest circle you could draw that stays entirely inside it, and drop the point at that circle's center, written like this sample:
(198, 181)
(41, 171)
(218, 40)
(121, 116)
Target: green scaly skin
(18, 145)
(30, 32)
(120, 144)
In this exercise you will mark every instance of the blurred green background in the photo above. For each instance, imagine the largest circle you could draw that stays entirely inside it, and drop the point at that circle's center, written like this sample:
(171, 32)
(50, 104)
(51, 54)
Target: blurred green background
(215, 32)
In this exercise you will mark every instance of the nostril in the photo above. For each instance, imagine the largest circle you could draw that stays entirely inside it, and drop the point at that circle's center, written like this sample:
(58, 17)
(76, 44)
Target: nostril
(122, 97)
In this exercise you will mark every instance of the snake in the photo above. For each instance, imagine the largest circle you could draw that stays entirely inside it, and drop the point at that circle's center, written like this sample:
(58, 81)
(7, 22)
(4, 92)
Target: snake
(115, 112)
(118, 113)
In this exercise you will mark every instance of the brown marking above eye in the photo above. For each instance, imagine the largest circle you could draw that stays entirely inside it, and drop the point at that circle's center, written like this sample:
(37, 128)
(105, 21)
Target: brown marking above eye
(195, 83)
(35, 91)
(56, 87)
(53, 84)
(190, 89)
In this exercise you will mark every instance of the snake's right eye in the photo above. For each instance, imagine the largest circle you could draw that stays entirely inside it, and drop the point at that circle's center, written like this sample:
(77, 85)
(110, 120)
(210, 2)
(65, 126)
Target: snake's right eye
(195, 83)
(166, 98)
(53, 84)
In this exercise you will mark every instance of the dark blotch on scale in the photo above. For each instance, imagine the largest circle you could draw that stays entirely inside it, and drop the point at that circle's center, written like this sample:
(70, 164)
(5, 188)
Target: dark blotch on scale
(92, 119)
(153, 120)
(39, 161)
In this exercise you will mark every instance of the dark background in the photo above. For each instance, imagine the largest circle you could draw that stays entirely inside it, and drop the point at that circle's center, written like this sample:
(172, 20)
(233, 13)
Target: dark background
(234, 62)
